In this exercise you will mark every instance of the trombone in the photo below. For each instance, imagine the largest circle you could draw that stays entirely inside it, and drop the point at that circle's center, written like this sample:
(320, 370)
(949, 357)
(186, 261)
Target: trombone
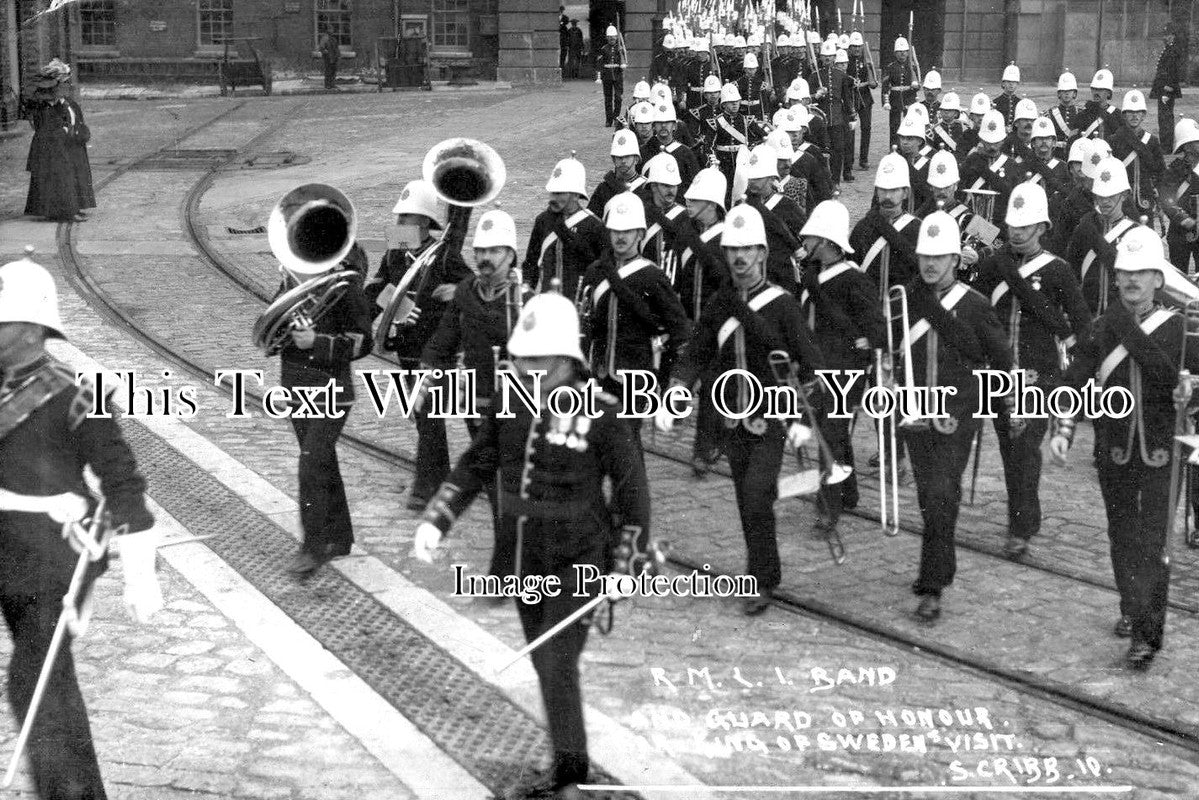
(310, 230)
(888, 434)
(1182, 426)
(831, 471)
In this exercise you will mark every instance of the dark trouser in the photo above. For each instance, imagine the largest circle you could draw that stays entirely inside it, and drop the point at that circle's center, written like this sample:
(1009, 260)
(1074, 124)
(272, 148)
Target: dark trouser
(613, 80)
(1021, 457)
(557, 661)
(840, 152)
(1180, 249)
(1136, 497)
(834, 498)
(60, 748)
(324, 512)
(1165, 123)
(938, 461)
(895, 116)
(503, 554)
(708, 425)
(755, 463)
(330, 72)
(432, 449)
(865, 116)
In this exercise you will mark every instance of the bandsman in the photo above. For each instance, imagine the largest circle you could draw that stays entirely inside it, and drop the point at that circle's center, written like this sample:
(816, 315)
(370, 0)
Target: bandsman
(1047, 170)
(623, 177)
(781, 216)
(667, 218)
(987, 166)
(949, 129)
(864, 84)
(551, 473)
(799, 94)
(629, 304)
(609, 62)
(1064, 115)
(913, 148)
(641, 121)
(1019, 142)
(1179, 196)
(1074, 201)
(706, 114)
(480, 319)
(47, 438)
(566, 237)
(641, 95)
(841, 307)
(1038, 301)
(836, 99)
(739, 327)
(1099, 117)
(953, 331)
(1140, 151)
(932, 93)
(886, 236)
(438, 267)
(1092, 248)
(810, 163)
(899, 85)
(980, 104)
(1135, 345)
(665, 125)
(779, 141)
(660, 95)
(1005, 102)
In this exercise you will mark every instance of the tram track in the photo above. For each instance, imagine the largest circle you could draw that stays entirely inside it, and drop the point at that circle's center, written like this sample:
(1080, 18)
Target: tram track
(1058, 693)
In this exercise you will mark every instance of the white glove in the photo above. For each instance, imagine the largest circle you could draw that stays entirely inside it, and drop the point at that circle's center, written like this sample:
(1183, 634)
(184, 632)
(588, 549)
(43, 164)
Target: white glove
(142, 592)
(663, 419)
(798, 434)
(412, 318)
(66, 507)
(969, 256)
(1059, 446)
(426, 541)
(886, 106)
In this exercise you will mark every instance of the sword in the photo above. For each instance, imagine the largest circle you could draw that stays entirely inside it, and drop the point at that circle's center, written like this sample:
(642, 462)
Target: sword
(978, 449)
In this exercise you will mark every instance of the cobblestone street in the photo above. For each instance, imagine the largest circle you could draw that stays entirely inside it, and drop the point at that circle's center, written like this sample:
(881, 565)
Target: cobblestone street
(377, 682)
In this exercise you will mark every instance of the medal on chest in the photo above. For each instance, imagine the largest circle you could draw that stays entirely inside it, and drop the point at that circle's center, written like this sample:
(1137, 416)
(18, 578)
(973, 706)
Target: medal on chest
(570, 432)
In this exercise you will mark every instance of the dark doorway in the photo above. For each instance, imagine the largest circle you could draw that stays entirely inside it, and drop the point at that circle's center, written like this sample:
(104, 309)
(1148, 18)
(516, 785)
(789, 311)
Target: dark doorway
(928, 29)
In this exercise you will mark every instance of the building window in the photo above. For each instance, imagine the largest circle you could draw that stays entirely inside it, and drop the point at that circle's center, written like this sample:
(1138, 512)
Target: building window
(334, 15)
(98, 23)
(216, 20)
(451, 24)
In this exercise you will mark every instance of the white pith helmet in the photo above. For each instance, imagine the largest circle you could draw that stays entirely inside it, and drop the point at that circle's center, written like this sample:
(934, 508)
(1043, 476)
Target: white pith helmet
(939, 236)
(548, 326)
(932, 79)
(892, 173)
(418, 197)
(1134, 100)
(980, 104)
(625, 212)
(729, 93)
(1042, 128)
(943, 170)
(743, 228)
(1103, 79)
(829, 220)
(992, 129)
(495, 228)
(1027, 205)
(709, 184)
(662, 168)
(901, 44)
(28, 294)
(624, 143)
(1186, 130)
(951, 102)
(641, 90)
(569, 175)
(1111, 178)
(1011, 73)
(762, 163)
(1066, 82)
(1026, 109)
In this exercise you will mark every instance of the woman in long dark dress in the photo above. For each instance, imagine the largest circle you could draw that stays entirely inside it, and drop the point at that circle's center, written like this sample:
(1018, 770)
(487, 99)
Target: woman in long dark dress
(60, 184)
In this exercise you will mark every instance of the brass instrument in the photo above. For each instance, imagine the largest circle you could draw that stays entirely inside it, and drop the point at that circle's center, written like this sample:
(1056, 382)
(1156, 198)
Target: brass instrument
(831, 472)
(1142, 202)
(465, 172)
(513, 302)
(888, 434)
(1193, 234)
(1016, 425)
(310, 230)
(1182, 426)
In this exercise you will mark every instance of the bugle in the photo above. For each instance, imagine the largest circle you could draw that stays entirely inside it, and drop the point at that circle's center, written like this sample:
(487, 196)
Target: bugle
(310, 230)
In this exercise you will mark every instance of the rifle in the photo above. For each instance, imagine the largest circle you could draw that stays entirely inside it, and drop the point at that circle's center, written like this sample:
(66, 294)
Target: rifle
(912, 45)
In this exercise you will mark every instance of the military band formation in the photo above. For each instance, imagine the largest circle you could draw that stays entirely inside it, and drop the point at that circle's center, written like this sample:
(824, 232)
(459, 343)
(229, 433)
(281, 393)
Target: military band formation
(1000, 236)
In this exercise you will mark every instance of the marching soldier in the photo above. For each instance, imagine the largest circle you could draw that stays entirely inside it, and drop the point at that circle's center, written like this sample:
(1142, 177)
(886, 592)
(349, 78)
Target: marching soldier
(943, 182)
(1092, 248)
(1135, 345)
(1019, 142)
(740, 326)
(623, 177)
(911, 144)
(665, 126)
(781, 216)
(1099, 117)
(785, 67)
(668, 219)
(566, 237)
(1167, 83)
(953, 331)
(980, 104)
(1074, 201)
(1039, 303)
(480, 319)
(864, 84)
(1047, 170)
(841, 306)
(1064, 115)
(433, 268)
(641, 119)
(757, 98)
(706, 114)
(1005, 103)
(987, 167)
(800, 94)
(779, 141)
(1140, 151)
(732, 131)
(47, 437)
(836, 99)
(949, 129)
(1179, 196)
(899, 85)
(551, 473)
(629, 304)
(640, 95)
(932, 94)
(610, 61)
(886, 236)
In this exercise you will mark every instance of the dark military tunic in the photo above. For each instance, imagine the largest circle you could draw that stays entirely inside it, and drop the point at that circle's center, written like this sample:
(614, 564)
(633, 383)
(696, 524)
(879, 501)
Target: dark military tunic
(574, 241)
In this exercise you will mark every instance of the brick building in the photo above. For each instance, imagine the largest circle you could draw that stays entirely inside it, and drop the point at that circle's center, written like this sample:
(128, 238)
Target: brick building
(518, 40)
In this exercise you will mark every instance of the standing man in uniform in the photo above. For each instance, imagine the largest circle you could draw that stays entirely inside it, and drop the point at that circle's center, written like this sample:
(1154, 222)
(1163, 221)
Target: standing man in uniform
(330, 52)
(1005, 103)
(1140, 151)
(731, 132)
(1135, 345)
(551, 473)
(1099, 117)
(623, 177)
(1064, 115)
(566, 237)
(886, 236)
(987, 167)
(1167, 84)
(864, 84)
(46, 439)
(1092, 248)
(836, 99)
(899, 85)
(1179, 196)
(609, 60)
(1040, 305)
(953, 332)
(433, 268)
(739, 328)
